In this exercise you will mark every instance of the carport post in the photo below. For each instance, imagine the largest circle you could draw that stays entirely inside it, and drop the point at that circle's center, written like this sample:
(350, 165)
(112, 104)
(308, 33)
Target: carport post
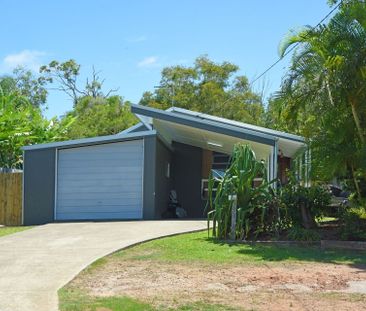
(273, 163)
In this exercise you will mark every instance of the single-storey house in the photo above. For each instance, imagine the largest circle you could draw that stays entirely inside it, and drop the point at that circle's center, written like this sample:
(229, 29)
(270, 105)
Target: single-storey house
(130, 175)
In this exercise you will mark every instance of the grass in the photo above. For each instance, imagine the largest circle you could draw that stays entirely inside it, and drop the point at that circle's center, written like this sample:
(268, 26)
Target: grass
(198, 247)
(79, 301)
(10, 230)
(326, 219)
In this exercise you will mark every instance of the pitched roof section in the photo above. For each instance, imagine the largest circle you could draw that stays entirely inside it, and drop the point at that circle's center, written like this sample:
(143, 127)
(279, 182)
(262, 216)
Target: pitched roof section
(205, 124)
(260, 129)
(92, 141)
(220, 125)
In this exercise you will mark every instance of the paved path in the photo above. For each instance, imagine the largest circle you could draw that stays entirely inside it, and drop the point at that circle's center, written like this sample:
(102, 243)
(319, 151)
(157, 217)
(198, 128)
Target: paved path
(35, 263)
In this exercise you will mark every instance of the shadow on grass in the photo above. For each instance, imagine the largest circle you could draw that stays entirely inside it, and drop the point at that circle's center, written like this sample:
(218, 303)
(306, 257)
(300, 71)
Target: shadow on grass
(276, 253)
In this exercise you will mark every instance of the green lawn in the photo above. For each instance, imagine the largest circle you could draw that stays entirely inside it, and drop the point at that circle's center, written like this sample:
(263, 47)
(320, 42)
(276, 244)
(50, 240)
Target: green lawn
(10, 230)
(77, 301)
(194, 248)
(198, 247)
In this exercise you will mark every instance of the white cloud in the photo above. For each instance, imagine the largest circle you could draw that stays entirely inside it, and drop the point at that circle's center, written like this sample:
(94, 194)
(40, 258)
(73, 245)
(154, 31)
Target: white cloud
(147, 62)
(30, 59)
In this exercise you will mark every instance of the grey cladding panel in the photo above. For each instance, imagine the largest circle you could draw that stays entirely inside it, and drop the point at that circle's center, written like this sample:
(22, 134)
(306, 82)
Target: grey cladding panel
(39, 186)
(163, 183)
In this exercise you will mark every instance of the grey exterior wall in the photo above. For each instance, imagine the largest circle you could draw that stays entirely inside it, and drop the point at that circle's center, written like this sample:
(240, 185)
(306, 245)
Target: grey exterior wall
(163, 184)
(185, 177)
(149, 177)
(186, 172)
(39, 183)
(39, 186)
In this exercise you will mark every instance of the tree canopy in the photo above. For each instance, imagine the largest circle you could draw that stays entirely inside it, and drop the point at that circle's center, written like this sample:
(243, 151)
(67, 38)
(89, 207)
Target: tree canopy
(24, 83)
(207, 87)
(23, 124)
(100, 116)
(64, 77)
(323, 94)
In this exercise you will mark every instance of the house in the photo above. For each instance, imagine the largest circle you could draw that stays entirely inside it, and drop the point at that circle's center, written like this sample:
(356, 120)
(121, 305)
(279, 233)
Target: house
(129, 175)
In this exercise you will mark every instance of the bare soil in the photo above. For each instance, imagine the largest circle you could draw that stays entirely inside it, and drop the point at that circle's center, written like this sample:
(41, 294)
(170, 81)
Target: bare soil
(274, 286)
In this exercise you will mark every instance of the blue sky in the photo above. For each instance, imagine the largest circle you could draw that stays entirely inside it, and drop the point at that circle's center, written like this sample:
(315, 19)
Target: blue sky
(131, 41)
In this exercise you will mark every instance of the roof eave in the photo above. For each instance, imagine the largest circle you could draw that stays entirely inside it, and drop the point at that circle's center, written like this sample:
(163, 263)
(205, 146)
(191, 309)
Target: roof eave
(204, 124)
(256, 128)
(91, 141)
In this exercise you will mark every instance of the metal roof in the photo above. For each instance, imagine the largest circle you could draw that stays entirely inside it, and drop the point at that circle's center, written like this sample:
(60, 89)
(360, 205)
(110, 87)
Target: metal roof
(92, 141)
(205, 124)
(185, 117)
(260, 129)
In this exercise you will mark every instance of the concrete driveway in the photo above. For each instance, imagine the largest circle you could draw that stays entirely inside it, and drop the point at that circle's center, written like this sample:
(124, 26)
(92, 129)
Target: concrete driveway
(35, 263)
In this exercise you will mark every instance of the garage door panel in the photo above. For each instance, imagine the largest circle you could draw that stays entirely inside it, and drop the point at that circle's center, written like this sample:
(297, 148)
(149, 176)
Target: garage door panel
(76, 161)
(96, 164)
(101, 177)
(101, 188)
(101, 171)
(80, 185)
(100, 182)
(68, 205)
(94, 216)
(74, 194)
(110, 208)
(69, 153)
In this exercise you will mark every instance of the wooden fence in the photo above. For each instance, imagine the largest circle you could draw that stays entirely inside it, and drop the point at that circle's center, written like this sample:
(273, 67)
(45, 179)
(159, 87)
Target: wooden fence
(11, 199)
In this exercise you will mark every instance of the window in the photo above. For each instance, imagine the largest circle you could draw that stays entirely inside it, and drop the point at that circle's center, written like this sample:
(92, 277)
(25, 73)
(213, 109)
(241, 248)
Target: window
(216, 163)
(220, 161)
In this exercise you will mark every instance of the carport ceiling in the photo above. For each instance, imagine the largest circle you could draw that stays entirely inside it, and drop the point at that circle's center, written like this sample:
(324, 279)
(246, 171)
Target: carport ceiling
(170, 132)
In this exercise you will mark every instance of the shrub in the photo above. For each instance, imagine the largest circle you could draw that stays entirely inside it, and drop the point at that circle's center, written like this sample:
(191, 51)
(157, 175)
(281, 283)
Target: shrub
(353, 224)
(304, 204)
(301, 234)
(254, 214)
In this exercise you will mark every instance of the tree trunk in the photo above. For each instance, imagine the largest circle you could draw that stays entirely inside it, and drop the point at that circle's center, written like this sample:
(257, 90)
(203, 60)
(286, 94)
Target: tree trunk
(308, 221)
(357, 122)
(329, 92)
(357, 186)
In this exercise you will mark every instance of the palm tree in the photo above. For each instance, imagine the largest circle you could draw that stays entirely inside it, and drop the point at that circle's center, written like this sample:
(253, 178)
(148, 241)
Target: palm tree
(331, 60)
(326, 83)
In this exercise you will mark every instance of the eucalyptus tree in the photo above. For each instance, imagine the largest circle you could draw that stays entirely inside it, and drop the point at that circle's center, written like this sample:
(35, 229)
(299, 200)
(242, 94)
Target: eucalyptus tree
(25, 83)
(65, 76)
(208, 87)
(100, 116)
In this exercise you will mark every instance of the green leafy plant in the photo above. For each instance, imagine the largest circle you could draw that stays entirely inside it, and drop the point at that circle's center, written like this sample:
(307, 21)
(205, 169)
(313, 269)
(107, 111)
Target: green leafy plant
(301, 234)
(353, 223)
(304, 204)
(23, 124)
(252, 201)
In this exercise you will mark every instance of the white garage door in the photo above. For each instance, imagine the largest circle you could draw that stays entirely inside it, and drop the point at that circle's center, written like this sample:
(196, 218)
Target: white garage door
(100, 182)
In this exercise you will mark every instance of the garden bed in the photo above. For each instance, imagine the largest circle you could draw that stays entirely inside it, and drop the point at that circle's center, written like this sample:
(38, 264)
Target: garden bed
(325, 244)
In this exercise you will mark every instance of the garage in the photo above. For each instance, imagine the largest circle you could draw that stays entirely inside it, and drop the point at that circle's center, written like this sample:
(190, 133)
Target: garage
(100, 182)
(129, 175)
